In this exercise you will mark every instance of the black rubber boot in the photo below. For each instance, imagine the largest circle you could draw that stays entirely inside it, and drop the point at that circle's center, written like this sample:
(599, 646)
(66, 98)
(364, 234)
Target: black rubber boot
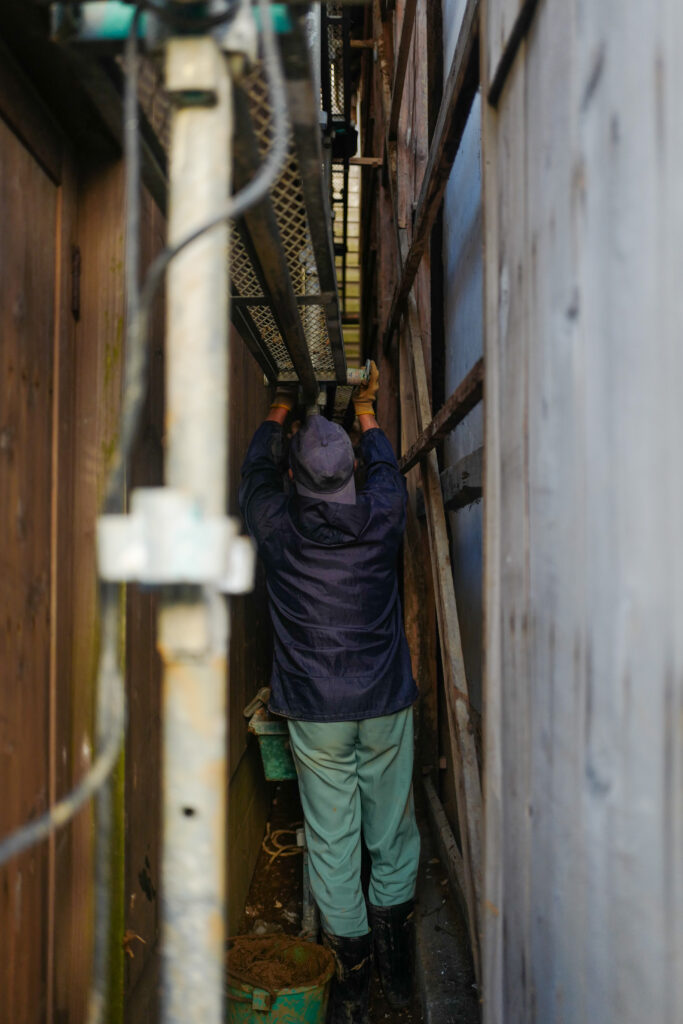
(350, 989)
(393, 929)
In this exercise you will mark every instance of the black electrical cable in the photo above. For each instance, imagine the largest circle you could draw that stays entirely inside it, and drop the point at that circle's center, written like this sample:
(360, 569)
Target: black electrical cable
(65, 809)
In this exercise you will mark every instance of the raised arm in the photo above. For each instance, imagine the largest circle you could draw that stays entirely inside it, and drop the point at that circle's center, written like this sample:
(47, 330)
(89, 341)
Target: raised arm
(384, 479)
(262, 481)
(363, 400)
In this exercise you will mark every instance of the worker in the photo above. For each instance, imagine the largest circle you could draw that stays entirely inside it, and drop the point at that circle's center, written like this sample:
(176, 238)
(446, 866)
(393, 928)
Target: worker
(342, 677)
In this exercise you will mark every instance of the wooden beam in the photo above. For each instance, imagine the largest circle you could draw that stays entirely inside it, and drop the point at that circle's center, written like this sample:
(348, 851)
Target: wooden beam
(450, 855)
(362, 44)
(459, 92)
(467, 394)
(366, 161)
(519, 31)
(460, 728)
(461, 484)
(401, 65)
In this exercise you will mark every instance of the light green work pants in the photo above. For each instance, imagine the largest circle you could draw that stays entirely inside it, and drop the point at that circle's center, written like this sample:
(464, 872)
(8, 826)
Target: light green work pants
(353, 777)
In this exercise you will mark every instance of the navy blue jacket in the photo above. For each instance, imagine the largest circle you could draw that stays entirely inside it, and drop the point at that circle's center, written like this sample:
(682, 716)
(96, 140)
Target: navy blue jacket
(340, 652)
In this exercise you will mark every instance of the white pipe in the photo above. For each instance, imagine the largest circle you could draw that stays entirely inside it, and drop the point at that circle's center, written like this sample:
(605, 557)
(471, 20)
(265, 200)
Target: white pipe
(193, 623)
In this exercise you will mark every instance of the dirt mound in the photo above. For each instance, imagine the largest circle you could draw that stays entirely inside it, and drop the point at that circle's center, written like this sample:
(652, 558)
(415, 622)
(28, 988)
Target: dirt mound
(274, 962)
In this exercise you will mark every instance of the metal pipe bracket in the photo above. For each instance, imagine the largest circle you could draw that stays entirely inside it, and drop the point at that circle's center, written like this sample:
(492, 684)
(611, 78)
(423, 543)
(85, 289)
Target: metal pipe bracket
(167, 540)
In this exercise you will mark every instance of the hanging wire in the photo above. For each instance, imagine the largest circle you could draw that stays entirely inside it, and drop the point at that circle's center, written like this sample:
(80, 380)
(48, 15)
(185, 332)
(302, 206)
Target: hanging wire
(110, 682)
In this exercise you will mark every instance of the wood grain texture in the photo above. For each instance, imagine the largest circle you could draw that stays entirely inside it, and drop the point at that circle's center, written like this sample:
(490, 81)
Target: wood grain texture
(467, 394)
(584, 817)
(28, 213)
(96, 388)
(142, 882)
(492, 676)
(459, 92)
(401, 65)
(462, 747)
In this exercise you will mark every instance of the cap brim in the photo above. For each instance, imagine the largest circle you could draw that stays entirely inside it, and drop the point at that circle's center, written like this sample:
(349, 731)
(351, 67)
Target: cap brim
(346, 495)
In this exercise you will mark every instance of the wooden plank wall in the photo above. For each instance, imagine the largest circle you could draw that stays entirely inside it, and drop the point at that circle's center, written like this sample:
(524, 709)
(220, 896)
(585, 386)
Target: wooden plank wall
(61, 354)
(412, 146)
(141, 881)
(29, 213)
(396, 408)
(584, 489)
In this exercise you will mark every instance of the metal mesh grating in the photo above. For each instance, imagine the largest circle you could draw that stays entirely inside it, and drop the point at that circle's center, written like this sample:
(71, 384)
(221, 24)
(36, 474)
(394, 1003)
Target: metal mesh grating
(342, 397)
(318, 339)
(288, 205)
(244, 280)
(335, 44)
(264, 320)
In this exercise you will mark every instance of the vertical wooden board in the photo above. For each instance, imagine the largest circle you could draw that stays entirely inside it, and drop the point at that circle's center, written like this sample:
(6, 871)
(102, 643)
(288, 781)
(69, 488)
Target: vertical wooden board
(418, 593)
(388, 398)
(493, 934)
(142, 882)
(248, 806)
(670, 224)
(62, 512)
(598, 867)
(418, 601)
(629, 200)
(28, 205)
(557, 527)
(512, 358)
(96, 385)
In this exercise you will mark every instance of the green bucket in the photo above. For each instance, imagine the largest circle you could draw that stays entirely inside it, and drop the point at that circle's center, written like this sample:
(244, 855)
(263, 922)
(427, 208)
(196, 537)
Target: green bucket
(298, 1004)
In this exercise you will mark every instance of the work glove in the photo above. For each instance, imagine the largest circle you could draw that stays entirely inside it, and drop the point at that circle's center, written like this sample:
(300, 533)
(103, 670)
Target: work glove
(285, 397)
(364, 395)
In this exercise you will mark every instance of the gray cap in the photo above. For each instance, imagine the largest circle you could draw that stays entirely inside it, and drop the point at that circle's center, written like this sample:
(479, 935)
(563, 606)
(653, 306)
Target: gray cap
(321, 457)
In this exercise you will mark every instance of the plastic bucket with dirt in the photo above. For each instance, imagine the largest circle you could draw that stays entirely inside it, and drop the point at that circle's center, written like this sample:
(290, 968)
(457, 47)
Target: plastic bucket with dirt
(277, 979)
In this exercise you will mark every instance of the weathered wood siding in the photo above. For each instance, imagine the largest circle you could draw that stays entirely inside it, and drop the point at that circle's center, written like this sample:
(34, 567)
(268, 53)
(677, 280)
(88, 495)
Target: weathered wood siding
(463, 345)
(29, 201)
(584, 494)
(61, 357)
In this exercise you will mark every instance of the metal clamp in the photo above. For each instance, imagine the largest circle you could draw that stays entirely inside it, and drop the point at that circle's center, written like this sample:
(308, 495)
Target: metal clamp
(167, 540)
(354, 377)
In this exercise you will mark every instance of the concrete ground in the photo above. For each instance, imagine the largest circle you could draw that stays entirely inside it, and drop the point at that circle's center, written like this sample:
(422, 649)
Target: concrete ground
(444, 974)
